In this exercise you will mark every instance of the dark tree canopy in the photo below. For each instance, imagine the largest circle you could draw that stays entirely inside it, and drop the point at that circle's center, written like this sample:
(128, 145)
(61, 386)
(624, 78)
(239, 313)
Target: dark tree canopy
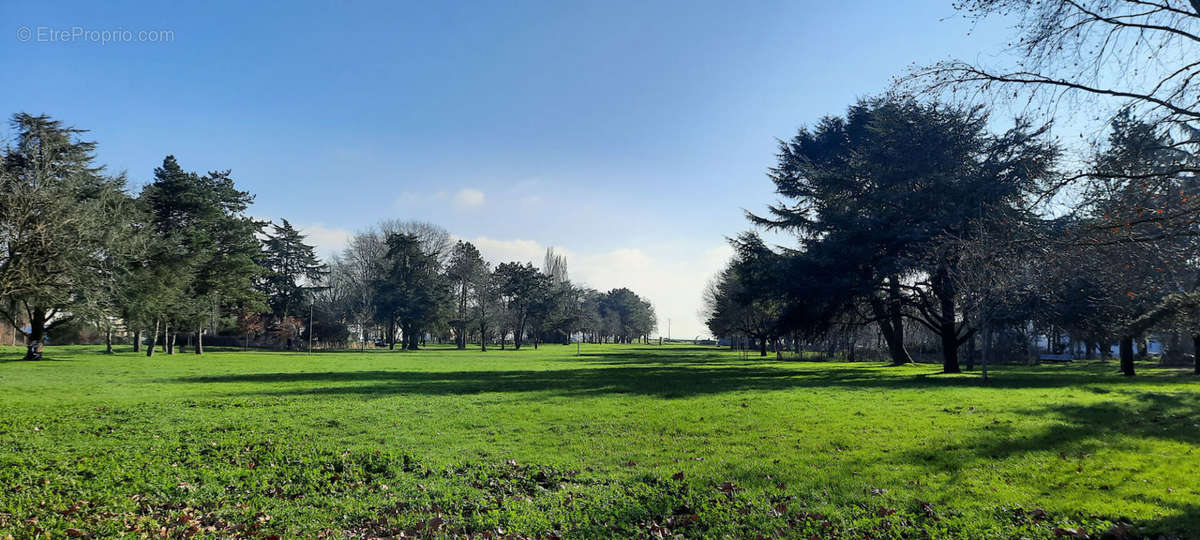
(465, 273)
(288, 263)
(60, 229)
(202, 235)
(879, 193)
(411, 291)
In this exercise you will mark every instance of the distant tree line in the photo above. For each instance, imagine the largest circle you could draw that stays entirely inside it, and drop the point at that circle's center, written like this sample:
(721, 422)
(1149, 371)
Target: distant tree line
(182, 260)
(402, 281)
(910, 212)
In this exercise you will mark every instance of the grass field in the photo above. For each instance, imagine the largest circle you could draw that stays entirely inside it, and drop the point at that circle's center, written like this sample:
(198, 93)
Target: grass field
(623, 441)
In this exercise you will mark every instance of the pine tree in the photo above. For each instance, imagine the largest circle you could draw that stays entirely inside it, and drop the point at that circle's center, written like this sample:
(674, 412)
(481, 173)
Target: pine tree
(59, 229)
(203, 239)
(412, 290)
(289, 264)
(463, 273)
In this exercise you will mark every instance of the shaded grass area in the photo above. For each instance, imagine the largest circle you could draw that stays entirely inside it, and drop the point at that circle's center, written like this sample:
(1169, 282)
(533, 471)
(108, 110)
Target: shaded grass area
(627, 441)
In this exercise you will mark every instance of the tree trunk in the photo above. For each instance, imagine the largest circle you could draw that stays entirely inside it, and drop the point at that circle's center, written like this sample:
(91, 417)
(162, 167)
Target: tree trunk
(950, 350)
(411, 339)
(944, 291)
(893, 335)
(971, 354)
(948, 331)
(762, 346)
(518, 338)
(171, 341)
(108, 341)
(482, 337)
(391, 337)
(37, 334)
(200, 340)
(986, 351)
(1196, 352)
(1126, 346)
(891, 323)
(137, 341)
(153, 340)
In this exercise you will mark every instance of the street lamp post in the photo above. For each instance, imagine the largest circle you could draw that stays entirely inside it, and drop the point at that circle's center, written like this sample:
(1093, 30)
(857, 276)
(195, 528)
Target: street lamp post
(311, 302)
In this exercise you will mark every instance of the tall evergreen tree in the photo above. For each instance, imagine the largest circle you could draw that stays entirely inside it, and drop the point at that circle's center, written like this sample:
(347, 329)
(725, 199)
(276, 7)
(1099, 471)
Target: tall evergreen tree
(521, 287)
(1137, 179)
(411, 293)
(288, 264)
(200, 223)
(60, 221)
(464, 273)
(888, 185)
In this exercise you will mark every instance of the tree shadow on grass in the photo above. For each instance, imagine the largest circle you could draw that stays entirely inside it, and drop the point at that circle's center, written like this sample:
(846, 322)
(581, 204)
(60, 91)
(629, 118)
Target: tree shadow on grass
(1185, 522)
(663, 381)
(19, 357)
(618, 374)
(674, 355)
(1079, 428)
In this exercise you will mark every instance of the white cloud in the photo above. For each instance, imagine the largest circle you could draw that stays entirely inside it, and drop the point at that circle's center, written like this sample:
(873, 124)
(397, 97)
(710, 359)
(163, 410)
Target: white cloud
(463, 199)
(326, 240)
(500, 251)
(467, 198)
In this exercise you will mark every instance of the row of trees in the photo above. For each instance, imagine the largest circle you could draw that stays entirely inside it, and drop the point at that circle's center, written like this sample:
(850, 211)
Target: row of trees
(183, 258)
(407, 280)
(76, 247)
(909, 210)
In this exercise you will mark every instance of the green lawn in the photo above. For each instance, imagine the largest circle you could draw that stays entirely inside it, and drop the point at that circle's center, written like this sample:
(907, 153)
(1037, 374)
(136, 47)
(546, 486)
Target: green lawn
(623, 441)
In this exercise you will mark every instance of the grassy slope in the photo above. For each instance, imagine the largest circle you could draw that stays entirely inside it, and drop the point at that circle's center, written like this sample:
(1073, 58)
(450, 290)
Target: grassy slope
(272, 443)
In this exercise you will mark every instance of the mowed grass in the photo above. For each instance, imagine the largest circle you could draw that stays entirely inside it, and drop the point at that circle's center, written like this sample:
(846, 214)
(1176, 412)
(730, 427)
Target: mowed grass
(622, 441)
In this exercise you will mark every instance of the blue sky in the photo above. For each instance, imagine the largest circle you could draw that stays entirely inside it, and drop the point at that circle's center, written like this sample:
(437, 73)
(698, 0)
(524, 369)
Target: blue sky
(629, 135)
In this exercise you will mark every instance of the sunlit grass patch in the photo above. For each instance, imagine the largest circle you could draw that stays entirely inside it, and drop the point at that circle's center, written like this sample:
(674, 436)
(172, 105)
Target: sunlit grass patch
(619, 441)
